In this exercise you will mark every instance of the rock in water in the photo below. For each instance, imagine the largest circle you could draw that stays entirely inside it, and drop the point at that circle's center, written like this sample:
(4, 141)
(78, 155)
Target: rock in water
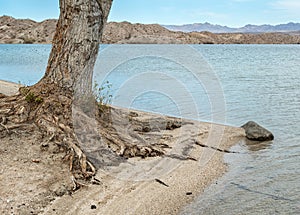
(256, 132)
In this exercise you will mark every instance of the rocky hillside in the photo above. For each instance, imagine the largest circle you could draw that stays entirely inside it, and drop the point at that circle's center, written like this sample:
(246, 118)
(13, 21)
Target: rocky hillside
(28, 31)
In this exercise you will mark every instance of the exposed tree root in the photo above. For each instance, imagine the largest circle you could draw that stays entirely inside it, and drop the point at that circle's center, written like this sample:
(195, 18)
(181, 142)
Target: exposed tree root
(48, 113)
(44, 109)
(3, 124)
(126, 135)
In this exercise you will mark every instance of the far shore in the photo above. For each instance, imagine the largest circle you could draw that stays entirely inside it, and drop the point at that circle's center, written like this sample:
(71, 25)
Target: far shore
(165, 194)
(32, 32)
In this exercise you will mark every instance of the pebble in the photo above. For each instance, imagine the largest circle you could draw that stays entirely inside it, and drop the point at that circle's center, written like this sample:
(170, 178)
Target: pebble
(46, 144)
(60, 190)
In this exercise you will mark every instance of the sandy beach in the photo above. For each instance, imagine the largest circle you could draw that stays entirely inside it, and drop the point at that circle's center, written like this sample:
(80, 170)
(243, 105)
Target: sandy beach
(37, 181)
(9, 88)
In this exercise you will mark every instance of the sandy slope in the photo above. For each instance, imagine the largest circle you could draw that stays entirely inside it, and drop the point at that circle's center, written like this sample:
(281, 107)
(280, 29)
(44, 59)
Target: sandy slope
(32, 178)
(8, 88)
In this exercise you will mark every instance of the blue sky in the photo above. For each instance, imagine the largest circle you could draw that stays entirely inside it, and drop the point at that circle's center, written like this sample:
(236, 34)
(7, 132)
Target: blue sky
(225, 12)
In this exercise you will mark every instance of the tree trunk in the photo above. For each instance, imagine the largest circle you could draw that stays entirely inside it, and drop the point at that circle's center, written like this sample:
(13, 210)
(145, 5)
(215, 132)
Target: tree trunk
(75, 44)
(51, 106)
(47, 106)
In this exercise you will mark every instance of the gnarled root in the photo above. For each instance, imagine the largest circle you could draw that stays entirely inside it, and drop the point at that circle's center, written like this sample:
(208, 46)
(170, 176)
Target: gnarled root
(50, 115)
(124, 148)
(87, 168)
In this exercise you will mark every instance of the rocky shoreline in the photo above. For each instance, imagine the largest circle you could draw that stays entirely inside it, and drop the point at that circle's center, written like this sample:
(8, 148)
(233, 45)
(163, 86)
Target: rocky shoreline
(26, 31)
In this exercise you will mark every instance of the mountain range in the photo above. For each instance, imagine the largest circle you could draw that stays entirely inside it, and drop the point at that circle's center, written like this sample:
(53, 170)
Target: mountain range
(199, 27)
(20, 31)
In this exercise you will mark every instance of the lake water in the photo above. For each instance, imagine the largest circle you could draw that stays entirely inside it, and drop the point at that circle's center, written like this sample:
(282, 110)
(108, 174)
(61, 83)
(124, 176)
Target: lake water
(245, 82)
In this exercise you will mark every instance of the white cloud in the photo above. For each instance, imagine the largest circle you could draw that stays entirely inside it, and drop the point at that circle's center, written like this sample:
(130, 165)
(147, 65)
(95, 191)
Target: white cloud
(290, 5)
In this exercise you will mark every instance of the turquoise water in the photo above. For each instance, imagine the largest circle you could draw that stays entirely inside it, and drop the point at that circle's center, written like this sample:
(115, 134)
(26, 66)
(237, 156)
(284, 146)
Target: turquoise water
(258, 82)
(23, 63)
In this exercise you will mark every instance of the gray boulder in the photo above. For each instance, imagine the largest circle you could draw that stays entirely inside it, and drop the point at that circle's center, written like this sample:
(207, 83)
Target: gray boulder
(256, 132)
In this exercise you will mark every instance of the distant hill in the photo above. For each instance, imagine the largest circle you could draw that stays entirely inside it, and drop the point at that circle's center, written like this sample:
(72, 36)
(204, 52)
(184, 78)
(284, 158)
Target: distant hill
(199, 27)
(26, 30)
(18, 31)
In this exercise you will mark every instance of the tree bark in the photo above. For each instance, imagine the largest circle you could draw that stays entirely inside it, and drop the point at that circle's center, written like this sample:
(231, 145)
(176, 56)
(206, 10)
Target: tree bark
(76, 43)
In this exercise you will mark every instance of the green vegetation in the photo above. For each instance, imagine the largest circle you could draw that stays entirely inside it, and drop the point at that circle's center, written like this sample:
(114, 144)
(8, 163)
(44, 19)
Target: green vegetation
(31, 98)
(102, 93)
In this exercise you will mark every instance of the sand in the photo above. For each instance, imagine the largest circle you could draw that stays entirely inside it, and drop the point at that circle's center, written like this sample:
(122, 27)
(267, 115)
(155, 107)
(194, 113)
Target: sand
(41, 185)
(8, 88)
